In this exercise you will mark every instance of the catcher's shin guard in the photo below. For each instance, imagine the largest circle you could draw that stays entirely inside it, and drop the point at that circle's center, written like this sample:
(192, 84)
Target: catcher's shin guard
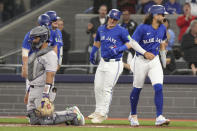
(33, 118)
(69, 119)
(36, 119)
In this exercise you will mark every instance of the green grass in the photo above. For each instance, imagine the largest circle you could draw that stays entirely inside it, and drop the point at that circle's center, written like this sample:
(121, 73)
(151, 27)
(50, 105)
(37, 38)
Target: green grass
(14, 120)
(174, 126)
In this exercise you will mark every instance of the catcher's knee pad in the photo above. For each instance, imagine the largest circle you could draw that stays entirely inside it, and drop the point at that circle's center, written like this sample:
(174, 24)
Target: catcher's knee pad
(68, 119)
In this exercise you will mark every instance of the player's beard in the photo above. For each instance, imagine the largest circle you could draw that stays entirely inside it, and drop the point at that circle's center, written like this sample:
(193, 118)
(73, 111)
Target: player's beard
(159, 22)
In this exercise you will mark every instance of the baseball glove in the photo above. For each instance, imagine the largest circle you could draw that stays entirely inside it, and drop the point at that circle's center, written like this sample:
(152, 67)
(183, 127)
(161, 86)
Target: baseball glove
(46, 107)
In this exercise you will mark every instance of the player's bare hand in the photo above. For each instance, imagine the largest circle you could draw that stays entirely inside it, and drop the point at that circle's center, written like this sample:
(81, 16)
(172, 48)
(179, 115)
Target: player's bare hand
(26, 98)
(149, 55)
(58, 67)
(90, 26)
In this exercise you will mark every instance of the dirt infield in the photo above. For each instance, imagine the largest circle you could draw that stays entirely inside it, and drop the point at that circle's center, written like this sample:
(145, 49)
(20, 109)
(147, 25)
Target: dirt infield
(97, 125)
(145, 119)
(93, 126)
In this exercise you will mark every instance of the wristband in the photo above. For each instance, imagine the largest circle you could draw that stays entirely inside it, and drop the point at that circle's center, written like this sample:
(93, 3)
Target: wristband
(47, 88)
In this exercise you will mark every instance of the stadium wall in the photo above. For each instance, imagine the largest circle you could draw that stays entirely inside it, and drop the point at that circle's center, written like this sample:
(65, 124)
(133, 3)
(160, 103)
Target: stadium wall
(180, 96)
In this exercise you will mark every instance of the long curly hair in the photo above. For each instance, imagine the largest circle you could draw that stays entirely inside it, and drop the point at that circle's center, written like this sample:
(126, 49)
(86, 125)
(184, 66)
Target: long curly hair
(148, 19)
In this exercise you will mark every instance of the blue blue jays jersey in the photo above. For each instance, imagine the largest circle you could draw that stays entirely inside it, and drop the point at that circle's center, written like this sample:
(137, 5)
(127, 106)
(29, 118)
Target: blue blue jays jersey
(111, 38)
(26, 44)
(150, 38)
(56, 39)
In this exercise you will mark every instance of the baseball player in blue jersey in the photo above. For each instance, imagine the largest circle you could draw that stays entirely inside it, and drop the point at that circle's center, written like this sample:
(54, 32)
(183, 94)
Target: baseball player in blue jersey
(113, 40)
(151, 36)
(56, 35)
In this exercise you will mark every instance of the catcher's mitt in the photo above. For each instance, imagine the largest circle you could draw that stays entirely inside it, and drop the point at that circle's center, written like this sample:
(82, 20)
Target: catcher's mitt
(46, 107)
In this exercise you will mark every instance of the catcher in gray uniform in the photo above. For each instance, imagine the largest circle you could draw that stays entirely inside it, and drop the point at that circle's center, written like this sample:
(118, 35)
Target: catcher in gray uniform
(42, 66)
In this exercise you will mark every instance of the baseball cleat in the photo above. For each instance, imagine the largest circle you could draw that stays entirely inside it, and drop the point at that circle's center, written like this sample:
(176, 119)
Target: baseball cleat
(133, 120)
(161, 120)
(80, 116)
(93, 115)
(98, 119)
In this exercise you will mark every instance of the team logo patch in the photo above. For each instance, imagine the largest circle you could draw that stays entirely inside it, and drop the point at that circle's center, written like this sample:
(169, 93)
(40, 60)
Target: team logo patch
(115, 13)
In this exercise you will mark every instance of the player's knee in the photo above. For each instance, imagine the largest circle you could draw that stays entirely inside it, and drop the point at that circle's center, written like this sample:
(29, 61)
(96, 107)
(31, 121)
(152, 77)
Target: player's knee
(138, 87)
(136, 90)
(108, 90)
(158, 87)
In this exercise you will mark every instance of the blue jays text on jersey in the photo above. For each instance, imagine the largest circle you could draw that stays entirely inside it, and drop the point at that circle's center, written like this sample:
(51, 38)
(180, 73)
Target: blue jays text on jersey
(56, 39)
(150, 38)
(111, 38)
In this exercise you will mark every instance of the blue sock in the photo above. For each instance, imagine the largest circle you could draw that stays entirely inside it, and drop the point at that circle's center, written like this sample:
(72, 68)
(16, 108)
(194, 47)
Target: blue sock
(158, 99)
(134, 97)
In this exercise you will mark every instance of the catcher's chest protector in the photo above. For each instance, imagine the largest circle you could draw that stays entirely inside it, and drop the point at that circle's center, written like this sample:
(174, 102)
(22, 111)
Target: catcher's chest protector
(35, 66)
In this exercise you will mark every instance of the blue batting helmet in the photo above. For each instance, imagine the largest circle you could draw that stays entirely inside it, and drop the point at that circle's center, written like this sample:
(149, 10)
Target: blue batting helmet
(52, 15)
(157, 9)
(44, 19)
(114, 14)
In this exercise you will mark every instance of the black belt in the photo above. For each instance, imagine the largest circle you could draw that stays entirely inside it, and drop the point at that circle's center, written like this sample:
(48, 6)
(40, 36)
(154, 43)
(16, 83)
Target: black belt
(108, 60)
(32, 86)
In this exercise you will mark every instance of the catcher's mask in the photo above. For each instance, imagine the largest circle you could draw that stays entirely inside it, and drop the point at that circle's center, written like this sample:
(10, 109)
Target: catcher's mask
(39, 31)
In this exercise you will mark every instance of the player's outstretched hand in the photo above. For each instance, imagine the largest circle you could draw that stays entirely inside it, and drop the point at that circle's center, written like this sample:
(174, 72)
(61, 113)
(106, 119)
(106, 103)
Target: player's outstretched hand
(149, 55)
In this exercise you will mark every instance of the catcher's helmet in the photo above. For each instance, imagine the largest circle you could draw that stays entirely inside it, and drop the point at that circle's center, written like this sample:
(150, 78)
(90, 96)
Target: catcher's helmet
(157, 9)
(44, 19)
(39, 31)
(52, 15)
(114, 14)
